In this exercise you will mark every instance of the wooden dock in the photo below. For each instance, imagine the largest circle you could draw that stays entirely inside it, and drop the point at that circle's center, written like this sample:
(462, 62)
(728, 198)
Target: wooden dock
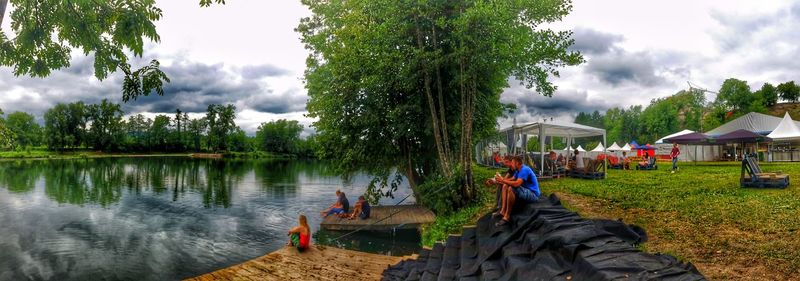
(318, 263)
(406, 217)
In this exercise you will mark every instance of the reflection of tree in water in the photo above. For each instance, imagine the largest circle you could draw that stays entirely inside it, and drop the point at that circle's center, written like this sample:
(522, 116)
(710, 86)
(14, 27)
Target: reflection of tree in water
(102, 181)
(221, 176)
(84, 181)
(20, 175)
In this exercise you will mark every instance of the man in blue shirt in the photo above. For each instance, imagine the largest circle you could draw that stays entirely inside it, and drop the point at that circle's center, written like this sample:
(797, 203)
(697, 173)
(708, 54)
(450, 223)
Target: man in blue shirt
(522, 186)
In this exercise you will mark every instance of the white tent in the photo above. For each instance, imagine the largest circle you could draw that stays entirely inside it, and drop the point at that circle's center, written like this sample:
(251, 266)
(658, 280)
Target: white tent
(660, 141)
(580, 148)
(787, 130)
(614, 147)
(626, 147)
(753, 121)
(549, 129)
(599, 148)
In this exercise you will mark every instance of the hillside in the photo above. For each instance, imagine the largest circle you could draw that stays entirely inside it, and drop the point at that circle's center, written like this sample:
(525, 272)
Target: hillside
(781, 108)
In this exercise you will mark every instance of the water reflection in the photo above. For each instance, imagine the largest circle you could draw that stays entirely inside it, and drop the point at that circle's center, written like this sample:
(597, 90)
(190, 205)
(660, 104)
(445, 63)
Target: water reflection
(162, 218)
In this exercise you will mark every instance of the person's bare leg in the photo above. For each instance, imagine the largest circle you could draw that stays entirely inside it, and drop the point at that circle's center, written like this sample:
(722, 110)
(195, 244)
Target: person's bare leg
(509, 204)
(503, 196)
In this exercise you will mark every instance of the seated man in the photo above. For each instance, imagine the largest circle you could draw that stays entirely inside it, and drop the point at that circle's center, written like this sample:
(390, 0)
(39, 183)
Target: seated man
(522, 186)
(361, 209)
(645, 161)
(498, 185)
(626, 162)
(340, 207)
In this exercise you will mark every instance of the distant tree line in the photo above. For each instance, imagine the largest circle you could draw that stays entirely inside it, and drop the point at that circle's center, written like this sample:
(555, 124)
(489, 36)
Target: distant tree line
(685, 110)
(103, 127)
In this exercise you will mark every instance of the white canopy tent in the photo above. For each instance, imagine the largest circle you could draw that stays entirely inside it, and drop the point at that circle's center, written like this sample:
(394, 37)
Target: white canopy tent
(787, 130)
(551, 129)
(626, 147)
(599, 149)
(580, 148)
(660, 141)
(614, 147)
(753, 121)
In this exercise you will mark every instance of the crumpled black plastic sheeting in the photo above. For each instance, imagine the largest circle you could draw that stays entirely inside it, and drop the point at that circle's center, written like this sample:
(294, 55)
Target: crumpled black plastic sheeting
(544, 241)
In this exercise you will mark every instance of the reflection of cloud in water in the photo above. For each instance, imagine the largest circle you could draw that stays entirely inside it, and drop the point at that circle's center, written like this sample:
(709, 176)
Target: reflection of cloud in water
(153, 219)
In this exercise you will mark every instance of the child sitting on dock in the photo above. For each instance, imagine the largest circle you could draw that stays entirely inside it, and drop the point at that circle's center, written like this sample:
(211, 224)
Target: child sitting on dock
(300, 236)
(361, 209)
(342, 206)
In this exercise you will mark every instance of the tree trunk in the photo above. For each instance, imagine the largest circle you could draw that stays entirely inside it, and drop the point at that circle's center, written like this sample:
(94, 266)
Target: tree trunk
(3, 5)
(434, 119)
(442, 118)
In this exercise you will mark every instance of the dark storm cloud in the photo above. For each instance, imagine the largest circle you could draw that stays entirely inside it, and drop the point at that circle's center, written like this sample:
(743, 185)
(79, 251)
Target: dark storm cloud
(195, 85)
(618, 67)
(591, 42)
(192, 88)
(259, 71)
(291, 101)
(563, 101)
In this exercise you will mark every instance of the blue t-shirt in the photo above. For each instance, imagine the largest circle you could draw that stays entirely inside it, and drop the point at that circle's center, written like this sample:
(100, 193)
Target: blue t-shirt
(529, 180)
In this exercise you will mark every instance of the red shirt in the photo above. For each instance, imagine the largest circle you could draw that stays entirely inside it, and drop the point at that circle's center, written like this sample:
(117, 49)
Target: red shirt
(675, 152)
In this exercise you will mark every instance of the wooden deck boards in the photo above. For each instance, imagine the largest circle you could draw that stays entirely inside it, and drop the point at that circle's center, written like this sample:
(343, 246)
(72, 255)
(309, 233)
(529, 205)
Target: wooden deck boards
(318, 263)
(406, 217)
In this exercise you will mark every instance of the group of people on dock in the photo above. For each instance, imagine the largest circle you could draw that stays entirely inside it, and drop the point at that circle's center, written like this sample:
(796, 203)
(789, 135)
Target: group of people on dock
(300, 235)
(341, 208)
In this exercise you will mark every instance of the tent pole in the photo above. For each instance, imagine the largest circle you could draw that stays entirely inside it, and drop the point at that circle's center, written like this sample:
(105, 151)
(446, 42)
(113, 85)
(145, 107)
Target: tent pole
(541, 148)
(605, 156)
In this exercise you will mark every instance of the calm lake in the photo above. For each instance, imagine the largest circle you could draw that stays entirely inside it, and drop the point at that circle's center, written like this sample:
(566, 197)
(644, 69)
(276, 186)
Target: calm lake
(164, 218)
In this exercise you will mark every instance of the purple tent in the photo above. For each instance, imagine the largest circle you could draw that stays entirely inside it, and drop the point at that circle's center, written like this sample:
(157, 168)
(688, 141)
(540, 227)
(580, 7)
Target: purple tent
(742, 136)
(690, 138)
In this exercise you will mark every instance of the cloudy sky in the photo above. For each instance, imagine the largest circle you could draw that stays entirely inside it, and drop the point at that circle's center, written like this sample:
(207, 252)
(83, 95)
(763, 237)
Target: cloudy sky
(247, 53)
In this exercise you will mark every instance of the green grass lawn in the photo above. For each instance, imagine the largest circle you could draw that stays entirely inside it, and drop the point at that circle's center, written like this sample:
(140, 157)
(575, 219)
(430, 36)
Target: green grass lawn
(700, 214)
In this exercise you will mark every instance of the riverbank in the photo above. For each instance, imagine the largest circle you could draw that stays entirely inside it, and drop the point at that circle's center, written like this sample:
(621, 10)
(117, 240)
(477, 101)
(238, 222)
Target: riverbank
(699, 214)
(47, 154)
(44, 154)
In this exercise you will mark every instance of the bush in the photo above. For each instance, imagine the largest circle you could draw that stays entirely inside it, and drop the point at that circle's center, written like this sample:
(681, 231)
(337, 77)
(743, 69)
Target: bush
(442, 195)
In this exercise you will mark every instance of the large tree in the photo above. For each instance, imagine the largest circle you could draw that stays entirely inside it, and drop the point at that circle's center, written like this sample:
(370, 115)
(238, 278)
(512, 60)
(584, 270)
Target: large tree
(735, 95)
(107, 130)
(65, 125)
(789, 91)
(280, 136)
(410, 84)
(47, 32)
(26, 131)
(220, 121)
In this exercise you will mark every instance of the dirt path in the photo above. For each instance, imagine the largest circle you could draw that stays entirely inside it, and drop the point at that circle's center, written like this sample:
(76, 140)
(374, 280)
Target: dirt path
(721, 252)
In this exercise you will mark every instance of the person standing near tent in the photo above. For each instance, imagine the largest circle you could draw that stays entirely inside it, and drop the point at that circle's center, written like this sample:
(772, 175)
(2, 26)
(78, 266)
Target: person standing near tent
(674, 154)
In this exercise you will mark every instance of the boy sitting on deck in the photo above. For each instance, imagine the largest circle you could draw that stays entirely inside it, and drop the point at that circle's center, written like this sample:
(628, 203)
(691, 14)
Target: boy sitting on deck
(361, 209)
(341, 206)
(522, 186)
(300, 236)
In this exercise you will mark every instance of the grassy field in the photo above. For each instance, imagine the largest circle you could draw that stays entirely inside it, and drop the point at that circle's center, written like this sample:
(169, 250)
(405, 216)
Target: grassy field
(701, 215)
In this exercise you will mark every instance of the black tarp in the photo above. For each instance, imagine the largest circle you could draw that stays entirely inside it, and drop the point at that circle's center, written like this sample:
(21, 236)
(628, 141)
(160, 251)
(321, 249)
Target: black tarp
(544, 241)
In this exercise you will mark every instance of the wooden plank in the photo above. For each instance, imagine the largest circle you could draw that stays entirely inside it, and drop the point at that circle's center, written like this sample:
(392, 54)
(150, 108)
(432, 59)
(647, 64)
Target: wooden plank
(318, 263)
(407, 216)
